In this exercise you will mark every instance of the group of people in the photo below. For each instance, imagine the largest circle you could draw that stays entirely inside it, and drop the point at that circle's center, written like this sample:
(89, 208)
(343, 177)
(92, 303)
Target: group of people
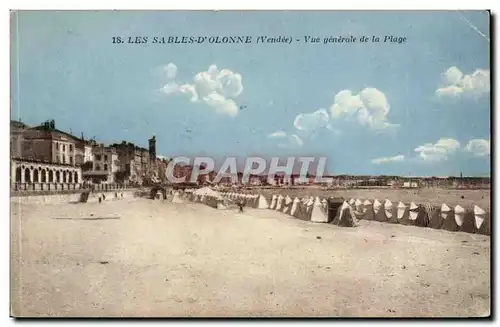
(103, 197)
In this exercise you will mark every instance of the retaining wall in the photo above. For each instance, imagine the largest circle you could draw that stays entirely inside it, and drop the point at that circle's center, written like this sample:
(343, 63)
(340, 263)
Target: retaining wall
(66, 197)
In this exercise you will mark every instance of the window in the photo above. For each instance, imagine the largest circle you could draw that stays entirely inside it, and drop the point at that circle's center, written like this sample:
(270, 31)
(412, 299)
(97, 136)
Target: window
(97, 167)
(70, 147)
(64, 147)
(70, 160)
(98, 157)
(64, 159)
(105, 167)
(105, 157)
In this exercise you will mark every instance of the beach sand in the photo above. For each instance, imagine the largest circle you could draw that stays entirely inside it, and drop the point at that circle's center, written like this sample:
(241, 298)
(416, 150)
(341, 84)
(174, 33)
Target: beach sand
(144, 258)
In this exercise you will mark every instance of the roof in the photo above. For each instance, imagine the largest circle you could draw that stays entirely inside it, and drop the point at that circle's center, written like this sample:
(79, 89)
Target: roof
(128, 145)
(55, 130)
(17, 124)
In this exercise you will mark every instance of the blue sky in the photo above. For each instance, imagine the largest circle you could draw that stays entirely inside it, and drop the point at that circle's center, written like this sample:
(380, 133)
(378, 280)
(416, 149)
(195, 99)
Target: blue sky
(421, 107)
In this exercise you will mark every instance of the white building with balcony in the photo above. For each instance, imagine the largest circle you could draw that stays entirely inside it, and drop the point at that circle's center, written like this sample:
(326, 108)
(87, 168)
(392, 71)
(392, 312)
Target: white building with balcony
(105, 165)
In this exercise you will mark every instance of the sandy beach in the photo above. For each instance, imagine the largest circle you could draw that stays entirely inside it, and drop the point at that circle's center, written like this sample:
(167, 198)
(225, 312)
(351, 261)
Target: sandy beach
(139, 257)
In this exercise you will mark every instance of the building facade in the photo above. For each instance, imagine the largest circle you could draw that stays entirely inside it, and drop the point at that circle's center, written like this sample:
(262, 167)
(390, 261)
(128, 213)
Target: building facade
(104, 165)
(32, 174)
(44, 154)
(44, 143)
(133, 162)
(43, 157)
(16, 138)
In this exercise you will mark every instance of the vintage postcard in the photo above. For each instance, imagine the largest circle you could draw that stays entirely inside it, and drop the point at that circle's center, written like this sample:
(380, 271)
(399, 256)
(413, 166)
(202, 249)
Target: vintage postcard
(250, 164)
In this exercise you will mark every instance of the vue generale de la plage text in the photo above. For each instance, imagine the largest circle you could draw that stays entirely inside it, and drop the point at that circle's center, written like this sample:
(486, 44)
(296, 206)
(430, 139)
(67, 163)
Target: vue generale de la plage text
(350, 39)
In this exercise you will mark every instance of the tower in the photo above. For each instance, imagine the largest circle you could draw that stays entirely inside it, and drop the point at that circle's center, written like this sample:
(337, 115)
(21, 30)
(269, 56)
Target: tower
(152, 150)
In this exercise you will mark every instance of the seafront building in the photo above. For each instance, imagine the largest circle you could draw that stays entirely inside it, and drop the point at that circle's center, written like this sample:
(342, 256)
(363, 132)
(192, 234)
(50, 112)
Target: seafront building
(45, 158)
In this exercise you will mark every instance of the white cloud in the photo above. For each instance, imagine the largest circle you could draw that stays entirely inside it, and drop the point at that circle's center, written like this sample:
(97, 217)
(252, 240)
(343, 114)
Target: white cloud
(224, 82)
(479, 147)
(368, 108)
(456, 84)
(171, 70)
(216, 88)
(441, 150)
(449, 91)
(189, 89)
(171, 87)
(277, 134)
(285, 140)
(295, 141)
(230, 83)
(438, 151)
(221, 104)
(398, 158)
(453, 76)
(311, 121)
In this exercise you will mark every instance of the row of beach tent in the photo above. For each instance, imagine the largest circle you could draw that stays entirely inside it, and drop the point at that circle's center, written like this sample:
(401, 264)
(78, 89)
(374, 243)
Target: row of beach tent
(347, 213)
